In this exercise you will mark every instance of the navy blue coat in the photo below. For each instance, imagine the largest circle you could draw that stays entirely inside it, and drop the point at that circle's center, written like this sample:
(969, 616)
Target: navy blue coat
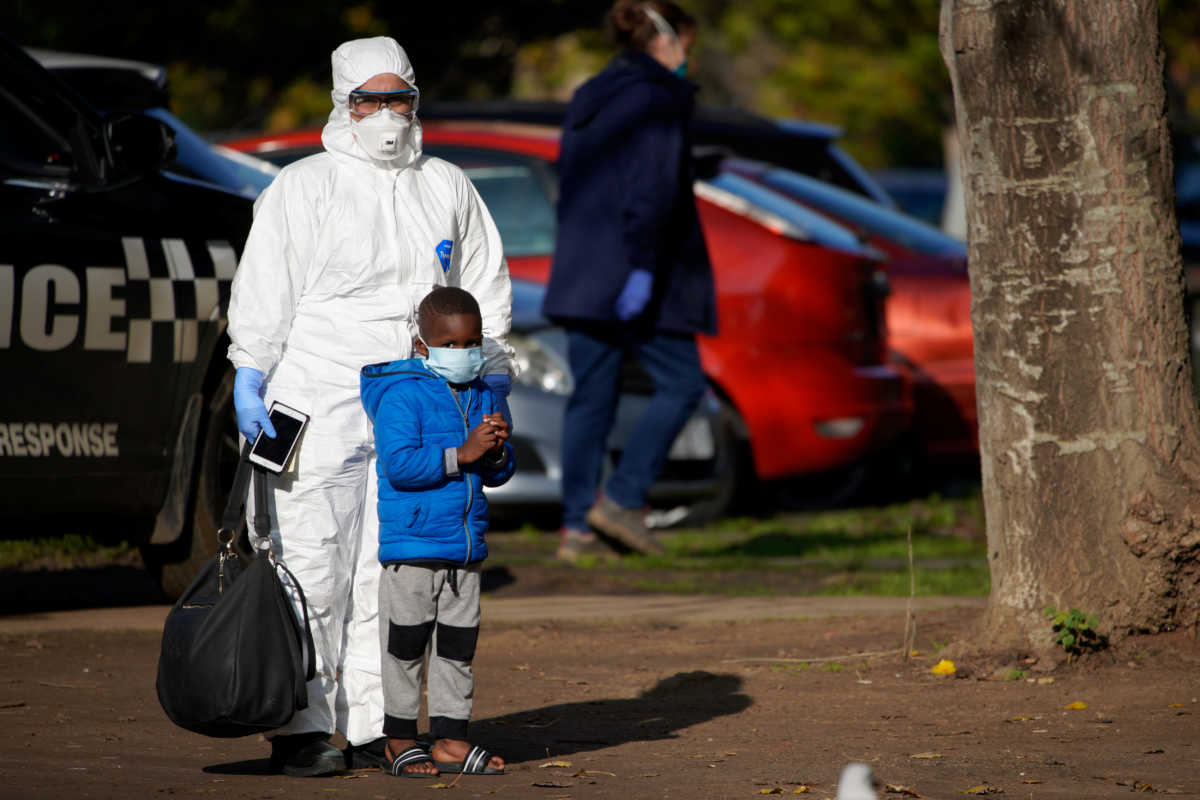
(626, 202)
(423, 514)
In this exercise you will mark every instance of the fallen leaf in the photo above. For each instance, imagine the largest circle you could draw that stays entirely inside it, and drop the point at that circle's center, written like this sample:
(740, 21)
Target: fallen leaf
(552, 784)
(554, 764)
(1019, 718)
(583, 773)
(1155, 751)
(1175, 705)
(521, 668)
(775, 790)
(926, 755)
(440, 786)
(1078, 705)
(895, 788)
(1031, 780)
(983, 788)
(1045, 681)
(801, 790)
(943, 667)
(354, 775)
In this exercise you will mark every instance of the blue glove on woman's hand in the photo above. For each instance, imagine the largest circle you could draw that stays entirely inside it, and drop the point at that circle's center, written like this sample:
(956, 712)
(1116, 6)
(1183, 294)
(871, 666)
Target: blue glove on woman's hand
(633, 298)
(247, 402)
(501, 385)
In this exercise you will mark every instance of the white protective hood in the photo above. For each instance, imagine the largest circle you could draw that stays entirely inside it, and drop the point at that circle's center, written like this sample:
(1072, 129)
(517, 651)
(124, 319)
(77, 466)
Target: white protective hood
(354, 63)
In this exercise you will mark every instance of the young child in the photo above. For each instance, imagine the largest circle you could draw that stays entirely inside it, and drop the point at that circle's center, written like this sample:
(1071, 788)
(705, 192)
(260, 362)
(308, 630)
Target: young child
(440, 439)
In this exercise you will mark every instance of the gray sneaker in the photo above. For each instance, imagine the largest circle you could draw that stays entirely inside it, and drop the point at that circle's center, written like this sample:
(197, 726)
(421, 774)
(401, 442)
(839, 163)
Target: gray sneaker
(574, 544)
(626, 525)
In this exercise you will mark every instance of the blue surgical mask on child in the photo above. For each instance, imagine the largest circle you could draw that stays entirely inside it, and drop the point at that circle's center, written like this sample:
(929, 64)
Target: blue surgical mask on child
(455, 364)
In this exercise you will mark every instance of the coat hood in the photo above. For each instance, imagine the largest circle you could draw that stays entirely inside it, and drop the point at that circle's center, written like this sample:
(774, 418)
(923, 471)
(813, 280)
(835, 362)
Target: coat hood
(609, 89)
(354, 63)
(376, 379)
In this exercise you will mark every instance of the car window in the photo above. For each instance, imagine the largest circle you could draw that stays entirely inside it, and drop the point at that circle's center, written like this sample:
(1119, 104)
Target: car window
(29, 145)
(517, 191)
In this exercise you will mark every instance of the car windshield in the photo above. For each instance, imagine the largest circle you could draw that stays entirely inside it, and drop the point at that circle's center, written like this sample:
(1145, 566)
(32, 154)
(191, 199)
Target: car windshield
(864, 214)
(807, 223)
(516, 190)
(196, 159)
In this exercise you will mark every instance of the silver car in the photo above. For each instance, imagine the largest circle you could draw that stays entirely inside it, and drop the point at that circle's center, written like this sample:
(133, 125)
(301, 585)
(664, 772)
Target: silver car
(693, 477)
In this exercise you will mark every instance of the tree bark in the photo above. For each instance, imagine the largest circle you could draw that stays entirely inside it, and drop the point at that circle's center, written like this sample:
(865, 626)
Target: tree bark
(1088, 417)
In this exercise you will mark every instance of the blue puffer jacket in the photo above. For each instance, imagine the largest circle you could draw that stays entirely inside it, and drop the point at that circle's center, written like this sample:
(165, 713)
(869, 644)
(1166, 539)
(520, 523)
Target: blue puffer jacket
(424, 515)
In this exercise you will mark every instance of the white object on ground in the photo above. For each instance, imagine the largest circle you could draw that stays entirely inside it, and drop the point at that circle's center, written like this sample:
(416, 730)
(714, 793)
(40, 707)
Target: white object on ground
(856, 783)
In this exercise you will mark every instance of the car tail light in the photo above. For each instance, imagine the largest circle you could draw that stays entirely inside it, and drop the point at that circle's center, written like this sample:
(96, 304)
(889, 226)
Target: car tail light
(874, 289)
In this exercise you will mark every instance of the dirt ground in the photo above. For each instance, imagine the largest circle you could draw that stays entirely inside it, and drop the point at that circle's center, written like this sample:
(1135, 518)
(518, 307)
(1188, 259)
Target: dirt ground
(645, 708)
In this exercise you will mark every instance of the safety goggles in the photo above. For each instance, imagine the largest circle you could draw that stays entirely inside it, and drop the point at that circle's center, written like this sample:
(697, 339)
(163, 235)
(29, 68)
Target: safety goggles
(366, 102)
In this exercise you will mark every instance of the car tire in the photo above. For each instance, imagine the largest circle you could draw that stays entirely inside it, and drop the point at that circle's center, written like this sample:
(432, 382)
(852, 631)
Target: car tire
(177, 564)
(734, 472)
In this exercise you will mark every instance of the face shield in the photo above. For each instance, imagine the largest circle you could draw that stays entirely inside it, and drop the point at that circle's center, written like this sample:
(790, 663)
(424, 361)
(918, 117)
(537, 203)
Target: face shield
(676, 52)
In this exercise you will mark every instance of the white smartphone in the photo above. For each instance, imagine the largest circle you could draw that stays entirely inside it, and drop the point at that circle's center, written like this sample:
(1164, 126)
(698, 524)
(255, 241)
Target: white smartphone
(274, 454)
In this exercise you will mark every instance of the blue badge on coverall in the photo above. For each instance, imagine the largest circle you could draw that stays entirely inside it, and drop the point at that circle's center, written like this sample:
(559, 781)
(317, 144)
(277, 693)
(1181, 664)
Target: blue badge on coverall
(443, 253)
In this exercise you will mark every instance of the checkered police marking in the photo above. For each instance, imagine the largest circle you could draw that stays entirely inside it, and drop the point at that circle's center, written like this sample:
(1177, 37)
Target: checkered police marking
(151, 308)
(169, 294)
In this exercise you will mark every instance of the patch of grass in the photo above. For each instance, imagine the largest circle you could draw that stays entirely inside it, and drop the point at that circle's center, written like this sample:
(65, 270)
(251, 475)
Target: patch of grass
(941, 529)
(956, 580)
(850, 551)
(60, 551)
(697, 584)
(833, 666)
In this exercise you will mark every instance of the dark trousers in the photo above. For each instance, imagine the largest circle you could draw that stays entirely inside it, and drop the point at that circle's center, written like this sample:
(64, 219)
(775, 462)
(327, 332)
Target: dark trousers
(595, 357)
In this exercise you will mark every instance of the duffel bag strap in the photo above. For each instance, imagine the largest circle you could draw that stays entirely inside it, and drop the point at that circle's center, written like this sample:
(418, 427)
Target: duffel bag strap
(235, 507)
(262, 526)
(262, 512)
(310, 648)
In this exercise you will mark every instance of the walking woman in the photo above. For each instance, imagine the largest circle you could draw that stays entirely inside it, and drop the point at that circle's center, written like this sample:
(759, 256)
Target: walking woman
(631, 276)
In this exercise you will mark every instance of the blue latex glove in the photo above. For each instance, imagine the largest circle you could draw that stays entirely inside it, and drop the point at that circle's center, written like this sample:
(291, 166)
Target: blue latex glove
(247, 402)
(501, 385)
(633, 298)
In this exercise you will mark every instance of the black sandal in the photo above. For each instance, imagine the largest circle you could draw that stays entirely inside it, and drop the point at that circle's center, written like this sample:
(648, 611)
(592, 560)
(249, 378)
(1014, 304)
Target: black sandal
(413, 755)
(476, 763)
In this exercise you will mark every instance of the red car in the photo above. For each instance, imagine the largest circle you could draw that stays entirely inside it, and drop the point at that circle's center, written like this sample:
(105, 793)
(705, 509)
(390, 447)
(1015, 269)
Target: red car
(801, 357)
(928, 310)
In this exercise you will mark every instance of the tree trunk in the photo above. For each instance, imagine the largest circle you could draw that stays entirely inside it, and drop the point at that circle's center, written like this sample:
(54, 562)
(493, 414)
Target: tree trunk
(1088, 418)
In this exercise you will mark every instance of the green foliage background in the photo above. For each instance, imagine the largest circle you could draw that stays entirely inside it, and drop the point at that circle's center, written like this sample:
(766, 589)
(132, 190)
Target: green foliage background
(869, 66)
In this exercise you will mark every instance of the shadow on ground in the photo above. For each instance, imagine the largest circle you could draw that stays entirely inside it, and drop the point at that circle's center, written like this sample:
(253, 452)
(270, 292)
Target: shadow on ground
(675, 703)
(34, 591)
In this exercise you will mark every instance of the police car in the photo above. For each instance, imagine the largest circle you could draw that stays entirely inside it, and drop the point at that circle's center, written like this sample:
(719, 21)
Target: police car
(115, 272)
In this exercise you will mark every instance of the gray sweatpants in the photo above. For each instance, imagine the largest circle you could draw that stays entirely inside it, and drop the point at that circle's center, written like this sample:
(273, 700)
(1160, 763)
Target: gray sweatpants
(436, 609)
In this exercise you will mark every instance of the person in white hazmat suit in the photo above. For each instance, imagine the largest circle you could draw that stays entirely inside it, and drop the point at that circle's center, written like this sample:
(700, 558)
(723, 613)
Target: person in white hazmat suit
(343, 247)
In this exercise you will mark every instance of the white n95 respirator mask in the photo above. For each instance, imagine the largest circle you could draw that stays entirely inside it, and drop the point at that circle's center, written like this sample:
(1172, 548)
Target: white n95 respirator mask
(383, 135)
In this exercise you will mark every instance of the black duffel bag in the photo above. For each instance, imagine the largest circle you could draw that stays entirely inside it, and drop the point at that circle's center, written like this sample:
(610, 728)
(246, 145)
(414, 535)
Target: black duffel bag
(234, 658)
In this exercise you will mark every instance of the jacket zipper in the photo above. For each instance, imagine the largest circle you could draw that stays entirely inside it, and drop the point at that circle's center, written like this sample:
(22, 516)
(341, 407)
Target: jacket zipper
(466, 475)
